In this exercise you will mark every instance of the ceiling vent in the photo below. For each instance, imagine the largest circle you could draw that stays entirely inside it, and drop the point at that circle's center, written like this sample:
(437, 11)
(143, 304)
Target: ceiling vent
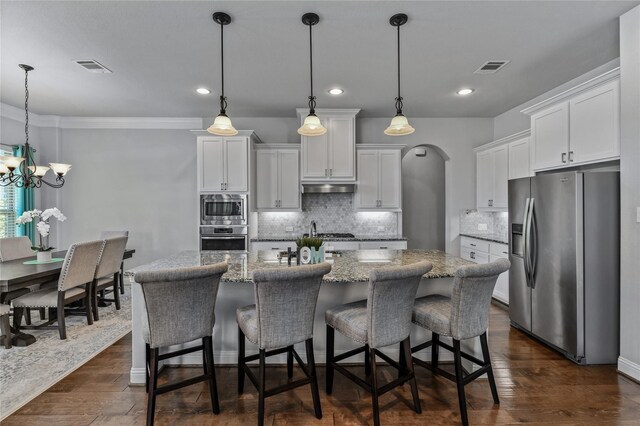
(94, 66)
(491, 67)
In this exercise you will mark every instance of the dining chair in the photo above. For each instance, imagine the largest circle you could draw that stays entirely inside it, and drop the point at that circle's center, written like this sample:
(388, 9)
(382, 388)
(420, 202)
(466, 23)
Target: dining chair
(108, 272)
(282, 316)
(5, 328)
(74, 283)
(383, 319)
(180, 306)
(464, 315)
(13, 248)
(104, 235)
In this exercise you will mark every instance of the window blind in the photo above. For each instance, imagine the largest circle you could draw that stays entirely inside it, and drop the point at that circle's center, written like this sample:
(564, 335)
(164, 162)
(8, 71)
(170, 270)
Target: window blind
(7, 207)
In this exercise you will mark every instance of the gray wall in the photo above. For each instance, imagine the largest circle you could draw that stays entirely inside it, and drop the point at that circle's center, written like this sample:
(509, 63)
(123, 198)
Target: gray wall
(513, 121)
(423, 199)
(630, 192)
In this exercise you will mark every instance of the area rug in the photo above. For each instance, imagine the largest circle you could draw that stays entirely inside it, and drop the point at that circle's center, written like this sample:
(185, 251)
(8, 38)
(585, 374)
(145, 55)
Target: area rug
(28, 371)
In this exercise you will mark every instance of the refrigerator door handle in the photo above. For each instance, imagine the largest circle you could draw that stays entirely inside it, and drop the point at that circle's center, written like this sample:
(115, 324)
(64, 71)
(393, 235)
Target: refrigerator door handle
(525, 243)
(532, 249)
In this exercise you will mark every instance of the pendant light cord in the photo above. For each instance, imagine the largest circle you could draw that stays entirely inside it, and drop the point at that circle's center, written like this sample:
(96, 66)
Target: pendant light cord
(399, 98)
(223, 99)
(312, 99)
(26, 106)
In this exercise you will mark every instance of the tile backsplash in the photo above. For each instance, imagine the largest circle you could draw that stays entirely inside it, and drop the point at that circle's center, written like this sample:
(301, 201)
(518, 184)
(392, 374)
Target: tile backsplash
(471, 222)
(332, 213)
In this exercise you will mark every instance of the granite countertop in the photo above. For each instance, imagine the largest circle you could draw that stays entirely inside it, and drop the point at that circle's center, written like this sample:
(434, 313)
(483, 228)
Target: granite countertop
(356, 238)
(494, 238)
(352, 266)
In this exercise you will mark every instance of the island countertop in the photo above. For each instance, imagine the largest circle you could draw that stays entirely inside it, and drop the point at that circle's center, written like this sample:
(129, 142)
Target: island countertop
(351, 266)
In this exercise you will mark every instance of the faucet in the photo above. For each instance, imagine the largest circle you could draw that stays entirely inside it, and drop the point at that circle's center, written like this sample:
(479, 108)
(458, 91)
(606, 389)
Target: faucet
(312, 231)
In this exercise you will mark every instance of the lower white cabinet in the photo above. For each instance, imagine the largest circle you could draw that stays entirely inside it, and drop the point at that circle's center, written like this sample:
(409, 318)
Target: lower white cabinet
(272, 245)
(383, 245)
(333, 245)
(480, 251)
(277, 179)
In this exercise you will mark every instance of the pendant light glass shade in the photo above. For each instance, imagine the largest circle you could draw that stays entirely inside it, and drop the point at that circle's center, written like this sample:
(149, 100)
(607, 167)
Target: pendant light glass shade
(399, 126)
(222, 126)
(312, 126)
(60, 169)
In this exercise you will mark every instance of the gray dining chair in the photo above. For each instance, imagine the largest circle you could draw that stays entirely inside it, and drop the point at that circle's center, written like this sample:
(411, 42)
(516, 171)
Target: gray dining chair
(104, 235)
(13, 248)
(464, 315)
(282, 316)
(74, 283)
(5, 328)
(180, 306)
(383, 319)
(108, 272)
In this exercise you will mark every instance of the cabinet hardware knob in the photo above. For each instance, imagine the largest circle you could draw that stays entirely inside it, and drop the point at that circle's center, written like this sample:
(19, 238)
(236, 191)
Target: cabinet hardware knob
(570, 156)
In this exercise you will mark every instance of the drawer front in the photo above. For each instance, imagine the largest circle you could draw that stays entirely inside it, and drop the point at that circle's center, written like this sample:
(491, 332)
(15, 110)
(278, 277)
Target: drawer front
(474, 255)
(273, 245)
(341, 245)
(383, 245)
(500, 250)
(476, 245)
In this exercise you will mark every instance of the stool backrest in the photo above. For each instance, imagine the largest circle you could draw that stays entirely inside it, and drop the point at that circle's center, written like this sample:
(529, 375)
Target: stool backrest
(80, 264)
(286, 303)
(471, 296)
(180, 303)
(15, 248)
(391, 295)
(113, 234)
(111, 257)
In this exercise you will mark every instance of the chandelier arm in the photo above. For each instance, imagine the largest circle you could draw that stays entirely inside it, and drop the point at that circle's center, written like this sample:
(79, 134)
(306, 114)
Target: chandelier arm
(58, 184)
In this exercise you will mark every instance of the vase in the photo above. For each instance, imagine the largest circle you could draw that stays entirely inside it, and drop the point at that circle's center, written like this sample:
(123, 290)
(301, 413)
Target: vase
(44, 256)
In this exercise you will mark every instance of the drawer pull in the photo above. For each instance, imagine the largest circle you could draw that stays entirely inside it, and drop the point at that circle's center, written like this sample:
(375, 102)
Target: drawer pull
(472, 245)
(384, 247)
(472, 255)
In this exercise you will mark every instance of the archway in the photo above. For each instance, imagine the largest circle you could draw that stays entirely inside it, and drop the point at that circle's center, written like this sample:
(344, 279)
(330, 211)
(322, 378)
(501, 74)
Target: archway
(423, 197)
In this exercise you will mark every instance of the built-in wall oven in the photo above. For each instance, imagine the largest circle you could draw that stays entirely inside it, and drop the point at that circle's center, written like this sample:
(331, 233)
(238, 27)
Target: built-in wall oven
(224, 238)
(223, 209)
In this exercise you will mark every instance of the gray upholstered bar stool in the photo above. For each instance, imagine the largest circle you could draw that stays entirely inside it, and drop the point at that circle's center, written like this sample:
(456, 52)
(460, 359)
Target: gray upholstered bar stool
(105, 235)
(108, 272)
(180, 307)
(464, 315)
(5, 328)
(282, 316)
(383, 319)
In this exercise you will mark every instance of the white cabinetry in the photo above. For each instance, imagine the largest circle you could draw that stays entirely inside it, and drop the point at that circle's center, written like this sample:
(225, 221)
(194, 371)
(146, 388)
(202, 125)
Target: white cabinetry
(334, 245)
(579, 126)
(480, 251)
(330, 157)
(277, 178)
(519, 165)
(224, 163)
(379, 178)
(492, 176)
(383, 245)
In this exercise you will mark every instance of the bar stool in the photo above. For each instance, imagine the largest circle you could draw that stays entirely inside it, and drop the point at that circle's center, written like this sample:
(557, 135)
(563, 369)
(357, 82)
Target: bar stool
(383, 319)
(282, 316)
(462, 316)
(180, 307)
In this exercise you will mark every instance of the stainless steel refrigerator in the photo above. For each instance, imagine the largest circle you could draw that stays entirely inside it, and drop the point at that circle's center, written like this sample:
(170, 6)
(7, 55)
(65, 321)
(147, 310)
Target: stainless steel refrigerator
(564, 245)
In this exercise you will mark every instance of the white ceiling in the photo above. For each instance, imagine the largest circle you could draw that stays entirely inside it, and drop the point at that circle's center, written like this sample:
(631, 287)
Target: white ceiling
(160, 51)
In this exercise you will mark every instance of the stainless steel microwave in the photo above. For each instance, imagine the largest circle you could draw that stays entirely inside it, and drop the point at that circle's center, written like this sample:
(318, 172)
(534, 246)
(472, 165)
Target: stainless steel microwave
(223, 209)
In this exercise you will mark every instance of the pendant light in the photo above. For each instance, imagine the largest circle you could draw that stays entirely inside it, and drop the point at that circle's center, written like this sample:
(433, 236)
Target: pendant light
(399, 124)
(222, 124)
(312, 125)
(22, 172)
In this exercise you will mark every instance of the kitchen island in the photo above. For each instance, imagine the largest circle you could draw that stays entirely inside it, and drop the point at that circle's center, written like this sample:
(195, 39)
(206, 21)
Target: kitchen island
(347, 282)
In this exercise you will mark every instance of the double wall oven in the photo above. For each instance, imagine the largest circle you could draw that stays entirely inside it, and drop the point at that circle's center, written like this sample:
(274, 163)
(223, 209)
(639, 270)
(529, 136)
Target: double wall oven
(223, 222)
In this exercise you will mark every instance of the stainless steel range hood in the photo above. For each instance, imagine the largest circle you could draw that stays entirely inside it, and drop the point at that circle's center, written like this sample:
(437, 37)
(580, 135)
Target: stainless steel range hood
(327, 188)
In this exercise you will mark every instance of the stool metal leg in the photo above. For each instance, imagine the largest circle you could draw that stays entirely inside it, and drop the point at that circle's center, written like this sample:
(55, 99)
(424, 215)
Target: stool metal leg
(290, 362)
(210, 370)
(153, 385)
(261, 382)
(487, 362)
(240, 361)
(435, 349)
(408, 365)
(147, 366)
(367, 361)
(401, 361)
(374, 388)
(329, 360)
(311, 362)
(462, 401)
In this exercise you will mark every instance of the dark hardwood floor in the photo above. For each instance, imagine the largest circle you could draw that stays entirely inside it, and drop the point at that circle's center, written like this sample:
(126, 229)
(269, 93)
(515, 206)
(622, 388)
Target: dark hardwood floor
(535, 384)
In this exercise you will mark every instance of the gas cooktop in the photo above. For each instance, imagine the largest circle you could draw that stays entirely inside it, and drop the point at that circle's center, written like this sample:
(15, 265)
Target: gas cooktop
(330, 235)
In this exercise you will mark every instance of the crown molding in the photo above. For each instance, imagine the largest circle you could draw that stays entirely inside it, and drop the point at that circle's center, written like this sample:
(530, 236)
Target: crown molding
(505, 140)
(61, 122)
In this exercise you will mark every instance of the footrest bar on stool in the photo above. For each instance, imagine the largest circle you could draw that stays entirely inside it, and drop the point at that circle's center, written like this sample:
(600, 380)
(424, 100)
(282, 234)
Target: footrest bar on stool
(180, 352)
(288, 386)
(348, 354)
(173, 386)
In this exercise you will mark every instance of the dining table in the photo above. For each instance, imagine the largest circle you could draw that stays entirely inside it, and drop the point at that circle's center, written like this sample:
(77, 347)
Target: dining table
(21, 273)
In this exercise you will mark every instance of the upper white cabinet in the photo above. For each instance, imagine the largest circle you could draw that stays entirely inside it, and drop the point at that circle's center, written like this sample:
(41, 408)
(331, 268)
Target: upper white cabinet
(277, 178)
(330, 157)
(379, 178)
(578, 126)
(519, 164)
(224, 163)
(492, 177)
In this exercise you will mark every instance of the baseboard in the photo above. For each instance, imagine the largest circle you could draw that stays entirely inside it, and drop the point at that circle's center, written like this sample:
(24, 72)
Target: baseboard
(629, 369)
(137, 376)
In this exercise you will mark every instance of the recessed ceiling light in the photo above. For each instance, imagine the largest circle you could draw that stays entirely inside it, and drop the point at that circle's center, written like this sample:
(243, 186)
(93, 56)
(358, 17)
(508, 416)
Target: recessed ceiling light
(463, 92)
(203, 90)
(336, 91)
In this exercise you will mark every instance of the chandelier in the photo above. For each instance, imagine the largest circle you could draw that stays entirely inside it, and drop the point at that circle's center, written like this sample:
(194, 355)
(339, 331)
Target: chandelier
(22, 171)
